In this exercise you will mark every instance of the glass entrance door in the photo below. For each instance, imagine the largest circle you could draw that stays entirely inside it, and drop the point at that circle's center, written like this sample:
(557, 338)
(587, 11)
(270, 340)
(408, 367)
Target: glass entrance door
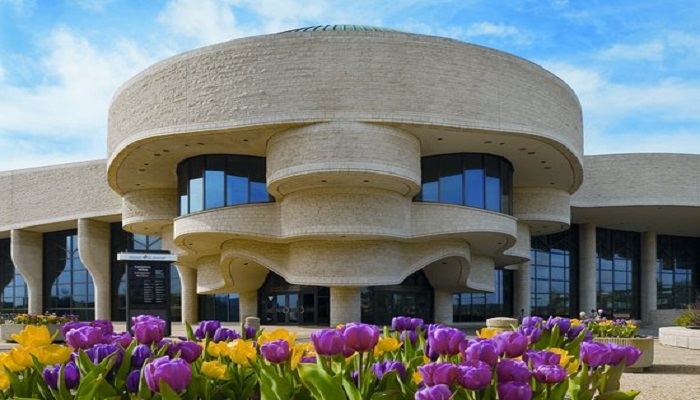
(282, 308)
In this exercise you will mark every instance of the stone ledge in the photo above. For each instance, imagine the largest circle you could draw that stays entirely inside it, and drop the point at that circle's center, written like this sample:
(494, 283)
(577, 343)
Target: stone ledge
(7, 330)
(677, 336)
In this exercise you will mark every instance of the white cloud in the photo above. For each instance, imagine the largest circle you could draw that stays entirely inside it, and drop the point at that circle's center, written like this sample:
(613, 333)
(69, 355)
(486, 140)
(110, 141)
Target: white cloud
(651, 51)
(205, 21)
(21, 7)
(490, 29)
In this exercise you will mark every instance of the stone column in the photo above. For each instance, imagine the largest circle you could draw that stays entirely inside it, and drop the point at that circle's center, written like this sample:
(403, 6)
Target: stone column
(26, 252)
(522, 298)
(648, 275)
(94, 251)
(587, 268)
(248, 304)
(345, 305)
(444, 312)
(188, 286)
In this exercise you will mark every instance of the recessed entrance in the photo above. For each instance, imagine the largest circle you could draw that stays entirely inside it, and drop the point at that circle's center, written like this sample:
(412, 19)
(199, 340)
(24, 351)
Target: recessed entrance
(285, 304)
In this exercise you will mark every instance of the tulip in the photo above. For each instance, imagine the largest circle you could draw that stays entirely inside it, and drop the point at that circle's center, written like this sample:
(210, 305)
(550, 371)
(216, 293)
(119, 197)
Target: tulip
(381, 368)
(122, 339)
(189, 351)
(99, 352)
(147, 318)
(474, 376)
(360, 337)
(595, 354)
(71, 375)
(276, 351)
(574, 331)
(148, 331)
(174, 372)
(249, 332)
(241, 351)
(328, 342)
(564, 324)
(550, 374)
(511, 344)
(308, 360)
(514, 391)
(532, 322)
(225, 335)
(206, 328)
(406, 324)
(533, 334)
(445, 341)
(438, 373)
(632, 355)
(105, 325)
(482, 350)
(139, 355)
(214, 369)
(133, 380)
(412, 336)
(509, 370)
(83, 337)
(539, 358)
(65, 328)
(437, 392)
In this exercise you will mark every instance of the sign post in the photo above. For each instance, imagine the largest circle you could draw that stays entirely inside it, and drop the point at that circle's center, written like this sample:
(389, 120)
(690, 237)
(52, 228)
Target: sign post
(148, 285)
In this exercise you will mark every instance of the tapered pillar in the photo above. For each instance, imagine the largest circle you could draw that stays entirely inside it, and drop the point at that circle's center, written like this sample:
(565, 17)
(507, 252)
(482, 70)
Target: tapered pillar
(345, 305)
(444, 312)
(26, 252)
(94, 250)
(248, 304)
(648, 275)
(587, 267)
(188, 287)
(522, 296)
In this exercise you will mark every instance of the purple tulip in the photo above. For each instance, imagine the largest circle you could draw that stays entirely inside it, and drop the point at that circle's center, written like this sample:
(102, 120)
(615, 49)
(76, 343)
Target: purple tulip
(99, 352)
(105, 325)
(360, 337)
(225, 335)
(509, 370)
(511, 344)
(437, 392)
(474, 376)
(533, 334)
(438, 373)
(133, 380)
(276, 351)
(83, 337)
(206, 328)
(147, 318)
(563, 323)
(406, 324)
(595, 354)
(140, 354)
(328, 342)
(122, 339)
(147, 332)
(532, 322)
(308, 360)
(539, 358)
(574, 331)
(71, 375)
(445, 341)
(381, 368)
(514, 391)
(632, 355)
(176, 372)
(482, 350)
(189, 351)
(249, 332)
(68, 326)
(412, 336)
(550, 374)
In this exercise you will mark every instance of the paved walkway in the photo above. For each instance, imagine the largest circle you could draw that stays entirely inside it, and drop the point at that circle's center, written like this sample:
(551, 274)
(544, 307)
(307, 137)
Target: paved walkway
(675, 374)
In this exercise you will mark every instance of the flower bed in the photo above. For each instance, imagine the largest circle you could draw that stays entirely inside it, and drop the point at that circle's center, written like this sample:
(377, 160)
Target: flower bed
(542, 359)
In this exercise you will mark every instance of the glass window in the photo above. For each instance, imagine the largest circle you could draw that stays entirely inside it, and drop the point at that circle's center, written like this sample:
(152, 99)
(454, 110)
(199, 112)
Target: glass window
(552, 257)
(220, 180)
(678, 271)
(471, 307)
(469, 179)
(618, 255)
(14, 291)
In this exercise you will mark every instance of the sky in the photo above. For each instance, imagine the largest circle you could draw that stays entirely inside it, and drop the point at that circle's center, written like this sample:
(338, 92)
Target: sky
(635, 65)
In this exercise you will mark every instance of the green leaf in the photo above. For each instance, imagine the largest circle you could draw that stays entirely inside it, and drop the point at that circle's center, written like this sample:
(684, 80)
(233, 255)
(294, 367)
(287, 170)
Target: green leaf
(321, 384)
(351, 391)
(125, 367)
(190, 332)
(166, 392)
(618, 395)
(273, 386)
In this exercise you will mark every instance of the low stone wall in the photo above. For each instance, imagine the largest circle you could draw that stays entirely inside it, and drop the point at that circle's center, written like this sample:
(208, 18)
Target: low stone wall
(7, 330)
(678, 336)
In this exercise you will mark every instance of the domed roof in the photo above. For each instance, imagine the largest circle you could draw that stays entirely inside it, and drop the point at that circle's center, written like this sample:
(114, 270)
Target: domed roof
(341, 28)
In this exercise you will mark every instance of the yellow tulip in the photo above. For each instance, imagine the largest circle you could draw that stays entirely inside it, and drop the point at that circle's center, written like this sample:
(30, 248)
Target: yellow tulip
(300, 350)
(218, 349)
(21, 357)
(214, 369)
(4, 380)
(488, 333)
(386, 344)
(52, 354)
(417, 377)
(33, 336)
(242, 351)
(566, 360)
(6, 360)
(278, 334)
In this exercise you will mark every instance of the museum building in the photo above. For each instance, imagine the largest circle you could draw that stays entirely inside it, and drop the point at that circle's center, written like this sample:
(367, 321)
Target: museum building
(341, 173)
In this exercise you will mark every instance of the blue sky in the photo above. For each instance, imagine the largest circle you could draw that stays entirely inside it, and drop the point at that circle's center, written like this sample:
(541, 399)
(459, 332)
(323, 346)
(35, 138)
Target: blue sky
(635, 65)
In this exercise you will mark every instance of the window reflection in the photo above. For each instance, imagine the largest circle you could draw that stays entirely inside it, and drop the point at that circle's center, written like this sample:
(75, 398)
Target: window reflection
(470, 179)
(677, 271)
(220, 180)
(553, 260)
(14, 288)
(618, 272)
(223, 307)
(472, 307)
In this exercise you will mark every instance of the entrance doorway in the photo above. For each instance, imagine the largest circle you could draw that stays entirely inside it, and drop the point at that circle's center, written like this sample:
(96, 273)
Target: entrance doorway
(285, 304)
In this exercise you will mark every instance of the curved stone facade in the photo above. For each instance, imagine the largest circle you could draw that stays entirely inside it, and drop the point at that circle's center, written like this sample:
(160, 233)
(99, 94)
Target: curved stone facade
(343, 121)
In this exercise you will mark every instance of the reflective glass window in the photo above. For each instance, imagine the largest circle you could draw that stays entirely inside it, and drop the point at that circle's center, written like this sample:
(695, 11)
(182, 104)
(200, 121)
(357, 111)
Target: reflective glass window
(222, 307)
(552, 259)
(219, 180)
(14, 289)
(469, 179)
(618, 255)
(678, 271)
(471, 307)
